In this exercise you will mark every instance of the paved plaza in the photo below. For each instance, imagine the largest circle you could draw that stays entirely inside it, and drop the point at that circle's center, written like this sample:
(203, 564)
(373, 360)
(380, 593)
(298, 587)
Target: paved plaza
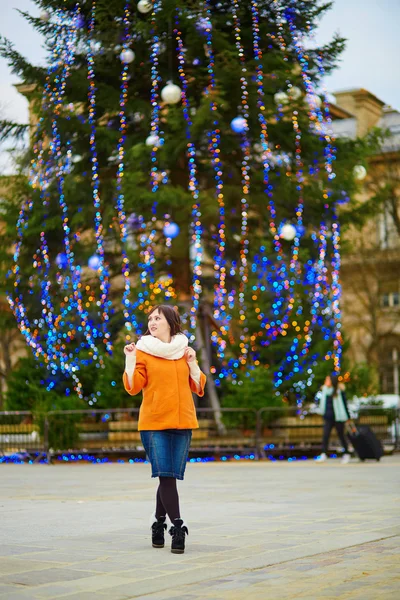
(258, 531)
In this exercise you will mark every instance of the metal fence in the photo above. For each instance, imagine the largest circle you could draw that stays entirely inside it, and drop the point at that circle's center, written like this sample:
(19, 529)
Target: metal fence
(266, 432)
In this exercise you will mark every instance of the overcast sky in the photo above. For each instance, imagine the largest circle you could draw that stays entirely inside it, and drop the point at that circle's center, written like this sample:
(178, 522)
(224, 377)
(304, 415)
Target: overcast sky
(371, 59)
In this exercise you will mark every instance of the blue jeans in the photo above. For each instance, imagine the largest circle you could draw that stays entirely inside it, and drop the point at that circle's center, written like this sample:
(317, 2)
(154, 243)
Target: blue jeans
(167, 451)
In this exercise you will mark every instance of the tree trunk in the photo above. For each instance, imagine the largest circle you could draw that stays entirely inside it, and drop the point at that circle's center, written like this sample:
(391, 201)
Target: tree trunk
(205, 364)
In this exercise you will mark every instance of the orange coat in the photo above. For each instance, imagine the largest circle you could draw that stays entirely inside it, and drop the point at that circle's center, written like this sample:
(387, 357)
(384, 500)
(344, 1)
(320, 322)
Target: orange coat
(167, 392)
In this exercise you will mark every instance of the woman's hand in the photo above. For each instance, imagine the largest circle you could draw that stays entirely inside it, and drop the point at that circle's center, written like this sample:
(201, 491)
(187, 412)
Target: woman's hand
(130, 350)
(190, 355)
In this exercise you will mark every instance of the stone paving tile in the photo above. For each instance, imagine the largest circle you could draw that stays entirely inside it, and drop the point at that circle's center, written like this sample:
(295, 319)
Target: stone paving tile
(68, 556)
(6, 590)
(95, 596)
(16, 549)
(111, 565)
(96, 584)
(272, 533)
(34, 578)
(9, 565)
(25, 595)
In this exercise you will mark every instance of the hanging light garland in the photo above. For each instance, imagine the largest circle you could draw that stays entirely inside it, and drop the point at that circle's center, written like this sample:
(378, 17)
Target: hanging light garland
(154, 140)
(54, 349)
(214, 148)
(196, 226)
(245, 169)
(294, 353)
(120, 200)
(214, 141)
(284, 283)
(321, 301)
(102, 268)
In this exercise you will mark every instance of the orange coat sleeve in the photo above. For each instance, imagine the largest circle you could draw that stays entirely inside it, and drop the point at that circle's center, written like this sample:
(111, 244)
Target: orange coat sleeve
(139, 379)
(193, 386)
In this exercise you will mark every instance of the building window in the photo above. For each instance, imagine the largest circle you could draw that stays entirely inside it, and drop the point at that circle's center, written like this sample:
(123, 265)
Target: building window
(389, 366)
(388, 234)
(391, 300)
(385, 300)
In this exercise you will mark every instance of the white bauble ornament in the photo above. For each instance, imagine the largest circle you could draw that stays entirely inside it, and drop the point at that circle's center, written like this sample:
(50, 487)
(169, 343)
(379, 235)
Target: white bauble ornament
(45, 16)
(138, 117)
(94, 262)
(171, 93)
(127, 56)
(171, 230)
(281, 98)
(95, 47)
(131, 242)
(313, 100)
(294, 93)
(288, 232)
(153, 140)
(239, 124)
(359, 172)
(144, 6)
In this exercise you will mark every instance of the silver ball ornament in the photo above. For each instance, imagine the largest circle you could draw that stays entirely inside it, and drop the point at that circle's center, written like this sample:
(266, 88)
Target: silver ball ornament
(239, 124)
(45, 16)
(281, 98)
(288, 232)
(359, 172)
(294, 93)
(127, 56)
(144, 6)
(153, 140)
(171, 93)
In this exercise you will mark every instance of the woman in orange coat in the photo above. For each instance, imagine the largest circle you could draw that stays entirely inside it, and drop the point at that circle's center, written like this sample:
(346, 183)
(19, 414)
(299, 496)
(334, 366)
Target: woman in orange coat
(165, 368)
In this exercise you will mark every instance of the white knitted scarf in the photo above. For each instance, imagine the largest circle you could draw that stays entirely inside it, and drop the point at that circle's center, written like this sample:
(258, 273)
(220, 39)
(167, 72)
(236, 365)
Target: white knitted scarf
(172, 350)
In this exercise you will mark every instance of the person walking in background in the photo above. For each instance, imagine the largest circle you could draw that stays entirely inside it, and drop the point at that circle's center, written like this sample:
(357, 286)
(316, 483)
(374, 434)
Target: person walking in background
(165, 368)
(333, 407)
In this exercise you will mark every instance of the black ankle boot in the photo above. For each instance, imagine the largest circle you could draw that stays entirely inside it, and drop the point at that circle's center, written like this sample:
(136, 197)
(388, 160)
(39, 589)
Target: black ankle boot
(157, 532)
(178, 532)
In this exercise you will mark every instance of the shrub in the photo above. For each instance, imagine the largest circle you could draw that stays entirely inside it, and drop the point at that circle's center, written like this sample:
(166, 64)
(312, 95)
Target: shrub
(254, 391)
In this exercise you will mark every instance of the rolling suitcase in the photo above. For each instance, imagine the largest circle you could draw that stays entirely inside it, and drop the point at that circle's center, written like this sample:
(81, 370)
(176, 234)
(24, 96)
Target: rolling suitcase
(365, 442)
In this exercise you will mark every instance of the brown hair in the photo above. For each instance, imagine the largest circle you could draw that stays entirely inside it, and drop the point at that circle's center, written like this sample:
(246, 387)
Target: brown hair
(172, 316)
(335, 383)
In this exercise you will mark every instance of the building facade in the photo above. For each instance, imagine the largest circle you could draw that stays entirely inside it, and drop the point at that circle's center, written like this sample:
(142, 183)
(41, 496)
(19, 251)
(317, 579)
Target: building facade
(371, 264)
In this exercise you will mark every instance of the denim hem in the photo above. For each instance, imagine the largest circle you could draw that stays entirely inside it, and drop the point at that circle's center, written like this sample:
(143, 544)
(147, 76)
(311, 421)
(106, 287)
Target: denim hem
(167, 474)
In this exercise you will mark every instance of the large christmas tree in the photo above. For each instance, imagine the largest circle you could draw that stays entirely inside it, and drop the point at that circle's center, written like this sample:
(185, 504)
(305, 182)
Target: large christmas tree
(182, 154)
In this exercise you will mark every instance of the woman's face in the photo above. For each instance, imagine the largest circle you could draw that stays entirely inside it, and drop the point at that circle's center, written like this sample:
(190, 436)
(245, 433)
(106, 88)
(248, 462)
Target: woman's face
(328, 381)
(158, 325)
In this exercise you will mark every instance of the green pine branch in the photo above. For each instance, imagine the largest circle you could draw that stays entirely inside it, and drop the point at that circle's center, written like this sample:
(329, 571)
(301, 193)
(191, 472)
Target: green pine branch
(9, 129)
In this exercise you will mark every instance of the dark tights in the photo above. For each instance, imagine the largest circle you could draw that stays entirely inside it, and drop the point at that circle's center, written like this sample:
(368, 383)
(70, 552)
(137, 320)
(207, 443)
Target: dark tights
(167, 499)
(328, 426)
